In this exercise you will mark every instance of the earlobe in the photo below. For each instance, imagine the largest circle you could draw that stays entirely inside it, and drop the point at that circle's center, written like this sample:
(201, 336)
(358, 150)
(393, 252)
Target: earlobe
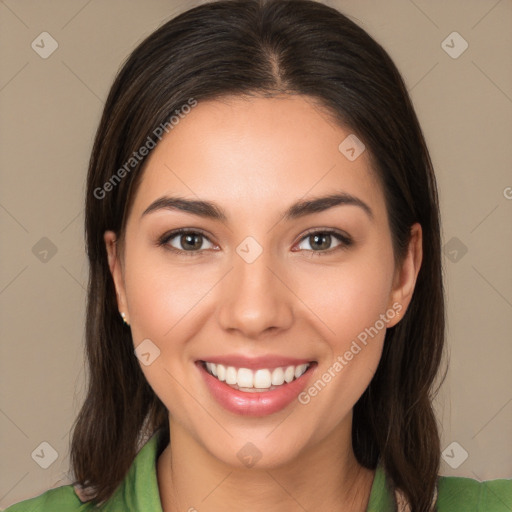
(406, 276)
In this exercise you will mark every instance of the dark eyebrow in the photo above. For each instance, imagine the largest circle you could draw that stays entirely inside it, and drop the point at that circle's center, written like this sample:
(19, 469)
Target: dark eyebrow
(202, 208)
(299, 209)
(319, 204)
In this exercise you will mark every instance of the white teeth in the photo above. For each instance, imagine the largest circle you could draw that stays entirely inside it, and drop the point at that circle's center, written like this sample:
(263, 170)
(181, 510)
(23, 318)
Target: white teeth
(289, 373)
(221, 372)
(262, 379)
(230, 374)
(247, 379)
(299, 370)
(277, 377)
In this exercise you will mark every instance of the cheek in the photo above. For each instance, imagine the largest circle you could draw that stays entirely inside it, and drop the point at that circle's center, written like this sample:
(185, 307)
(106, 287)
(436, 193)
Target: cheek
(167, 304)
(163, 301)
(163, 297)
(348, 297)
(351, 301)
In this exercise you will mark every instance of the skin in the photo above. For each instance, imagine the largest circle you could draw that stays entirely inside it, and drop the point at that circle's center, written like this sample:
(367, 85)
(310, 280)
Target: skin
(254, 158)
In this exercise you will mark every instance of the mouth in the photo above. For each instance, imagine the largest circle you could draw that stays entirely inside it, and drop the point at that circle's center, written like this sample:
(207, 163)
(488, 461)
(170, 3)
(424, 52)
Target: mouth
(255, 391)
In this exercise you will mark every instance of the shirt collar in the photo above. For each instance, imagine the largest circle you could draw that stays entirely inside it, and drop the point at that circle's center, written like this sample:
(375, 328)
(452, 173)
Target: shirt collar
(381, 495)
(139, 489)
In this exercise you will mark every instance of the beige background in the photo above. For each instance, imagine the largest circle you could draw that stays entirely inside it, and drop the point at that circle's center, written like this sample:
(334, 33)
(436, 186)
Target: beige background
(49, 112)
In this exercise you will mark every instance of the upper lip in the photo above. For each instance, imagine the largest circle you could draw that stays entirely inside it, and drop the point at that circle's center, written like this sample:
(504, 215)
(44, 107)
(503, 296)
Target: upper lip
(254, 363)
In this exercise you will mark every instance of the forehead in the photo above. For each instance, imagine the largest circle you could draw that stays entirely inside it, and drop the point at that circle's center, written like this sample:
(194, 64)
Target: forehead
(256, 155)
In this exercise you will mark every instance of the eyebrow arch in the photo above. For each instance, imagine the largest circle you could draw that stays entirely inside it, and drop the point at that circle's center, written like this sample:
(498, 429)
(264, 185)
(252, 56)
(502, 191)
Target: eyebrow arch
(297, 210)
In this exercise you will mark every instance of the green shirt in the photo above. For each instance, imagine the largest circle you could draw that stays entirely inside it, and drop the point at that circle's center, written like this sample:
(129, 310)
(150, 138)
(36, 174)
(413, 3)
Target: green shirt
(139, 492)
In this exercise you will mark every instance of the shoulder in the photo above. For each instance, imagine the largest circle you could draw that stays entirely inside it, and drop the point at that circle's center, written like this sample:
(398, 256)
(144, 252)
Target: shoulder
(60, 499)
(468, 495)
(137, 492)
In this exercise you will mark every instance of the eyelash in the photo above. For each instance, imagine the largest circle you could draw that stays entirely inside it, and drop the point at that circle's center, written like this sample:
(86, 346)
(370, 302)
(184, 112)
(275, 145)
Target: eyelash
(346, 241)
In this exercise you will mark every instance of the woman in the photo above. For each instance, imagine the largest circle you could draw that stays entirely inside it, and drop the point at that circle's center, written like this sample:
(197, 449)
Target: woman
(265, 305)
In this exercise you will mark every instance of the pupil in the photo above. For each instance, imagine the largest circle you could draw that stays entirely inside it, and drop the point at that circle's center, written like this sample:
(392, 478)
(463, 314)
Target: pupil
(326, 237)
(190, 236)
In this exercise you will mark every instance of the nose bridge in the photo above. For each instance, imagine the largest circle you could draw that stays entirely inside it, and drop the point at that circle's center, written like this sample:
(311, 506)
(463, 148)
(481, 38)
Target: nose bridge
(253, 299)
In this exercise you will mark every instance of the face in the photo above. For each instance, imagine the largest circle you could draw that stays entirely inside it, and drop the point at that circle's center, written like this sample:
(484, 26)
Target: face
(266, 276)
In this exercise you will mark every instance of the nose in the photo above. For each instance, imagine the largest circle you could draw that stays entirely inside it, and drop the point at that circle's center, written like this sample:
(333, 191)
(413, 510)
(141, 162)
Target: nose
(256, 299)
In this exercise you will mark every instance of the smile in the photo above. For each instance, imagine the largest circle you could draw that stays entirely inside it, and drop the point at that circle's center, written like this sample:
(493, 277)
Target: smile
(257, 391)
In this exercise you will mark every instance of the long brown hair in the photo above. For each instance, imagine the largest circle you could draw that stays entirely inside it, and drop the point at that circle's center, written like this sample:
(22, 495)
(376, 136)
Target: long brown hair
(275, 47)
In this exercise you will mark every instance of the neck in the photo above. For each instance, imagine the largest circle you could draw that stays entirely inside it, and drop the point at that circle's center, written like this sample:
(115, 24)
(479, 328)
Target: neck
(323, 477)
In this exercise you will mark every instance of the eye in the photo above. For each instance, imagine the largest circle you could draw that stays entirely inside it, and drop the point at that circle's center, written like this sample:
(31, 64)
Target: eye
(321, 241)
(190, 242)
(185, 241)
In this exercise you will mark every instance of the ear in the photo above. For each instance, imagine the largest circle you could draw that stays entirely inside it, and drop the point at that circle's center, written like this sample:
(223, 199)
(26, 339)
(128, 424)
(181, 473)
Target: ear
(405, 277)
(114, 262)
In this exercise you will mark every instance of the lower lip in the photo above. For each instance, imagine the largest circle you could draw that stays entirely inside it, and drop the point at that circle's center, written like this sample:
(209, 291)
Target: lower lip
(257, 403)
